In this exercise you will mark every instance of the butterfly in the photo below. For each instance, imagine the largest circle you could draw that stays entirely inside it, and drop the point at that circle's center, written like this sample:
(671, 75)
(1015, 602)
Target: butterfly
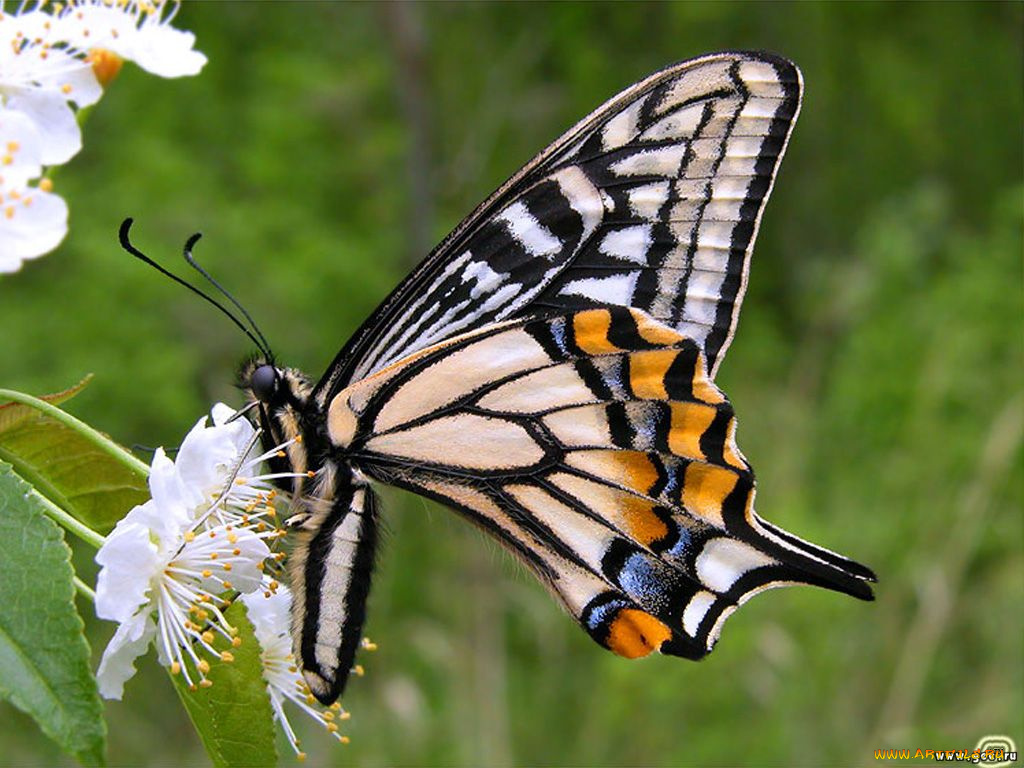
(548, 372)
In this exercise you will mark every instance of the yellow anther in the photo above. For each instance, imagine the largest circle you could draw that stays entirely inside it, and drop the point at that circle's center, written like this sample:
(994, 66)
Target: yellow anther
(227, 656)
(227, 566)
(345, 715)
(310, 473)
(260, 566)
(327, 716)
(236, 551)
(193, 687)
(344, 739)
(358, 670)
(227, 585)
(298, 438)
(175, 668)
(46, 185)
(204, 683)
(332, 727)
(203, 666)
(235, 642)
(65, 89)
(13, 146)
(335, 706)
(202, 615)
(189, 535)
(273, 585)
(311, 699)
(300, 756)
(281, 454)
(214, 555)
(240, 481)
(9, 212)
(213, 534)
(207, 573)
(232, 537)
(292, 668)
(207, 636)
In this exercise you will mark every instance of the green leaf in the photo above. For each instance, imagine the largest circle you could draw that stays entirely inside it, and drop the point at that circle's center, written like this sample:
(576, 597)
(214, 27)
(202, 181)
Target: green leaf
(44, 657)
(12, 414)
(233, 716)
(71, 464)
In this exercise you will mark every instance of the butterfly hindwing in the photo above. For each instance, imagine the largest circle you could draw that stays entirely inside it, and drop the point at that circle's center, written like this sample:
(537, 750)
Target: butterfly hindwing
(596, 447)
(652, 202)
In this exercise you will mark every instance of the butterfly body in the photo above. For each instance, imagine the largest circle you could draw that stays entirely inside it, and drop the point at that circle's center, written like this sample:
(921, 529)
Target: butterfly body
(548, 372)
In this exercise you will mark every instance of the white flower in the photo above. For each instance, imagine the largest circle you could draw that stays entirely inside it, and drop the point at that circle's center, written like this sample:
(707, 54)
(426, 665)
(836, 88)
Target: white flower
(33, 220)
(40, 76)
(53, 56)
(136, 31)
(269, 613)
(168, 566)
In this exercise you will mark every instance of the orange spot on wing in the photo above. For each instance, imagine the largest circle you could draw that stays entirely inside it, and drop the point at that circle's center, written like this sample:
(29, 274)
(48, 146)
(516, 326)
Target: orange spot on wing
(591, 331)
(639, 469)
(633, 633)
(731, 451)
(654, 332)
(647, 371)
(630, 469)
(644, 526)
(689, 423)
(704, 490)
(703, 387)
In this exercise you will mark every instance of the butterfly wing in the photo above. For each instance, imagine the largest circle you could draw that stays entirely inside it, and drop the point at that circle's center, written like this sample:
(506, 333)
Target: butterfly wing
(622, 487)
(652, 201)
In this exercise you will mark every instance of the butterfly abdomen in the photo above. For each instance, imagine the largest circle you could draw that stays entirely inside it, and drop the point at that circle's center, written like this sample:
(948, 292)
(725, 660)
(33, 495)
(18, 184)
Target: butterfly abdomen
(331, 569)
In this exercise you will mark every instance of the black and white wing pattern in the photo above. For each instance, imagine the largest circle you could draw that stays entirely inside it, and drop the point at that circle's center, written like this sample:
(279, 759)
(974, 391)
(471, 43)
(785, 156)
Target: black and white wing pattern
(652, 202)
(548, 371)
(596, 447)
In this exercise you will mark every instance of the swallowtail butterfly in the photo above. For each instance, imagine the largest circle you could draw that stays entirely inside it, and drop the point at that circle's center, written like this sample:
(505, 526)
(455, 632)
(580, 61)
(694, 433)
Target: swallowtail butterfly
(548, 372)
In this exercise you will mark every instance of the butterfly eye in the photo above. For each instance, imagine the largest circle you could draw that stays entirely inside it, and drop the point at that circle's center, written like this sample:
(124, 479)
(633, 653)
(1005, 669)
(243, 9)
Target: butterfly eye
(263, 383)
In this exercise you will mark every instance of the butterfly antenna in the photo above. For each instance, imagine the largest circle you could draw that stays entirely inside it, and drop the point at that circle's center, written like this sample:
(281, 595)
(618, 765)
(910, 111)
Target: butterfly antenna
(187, 253)
(126, 243)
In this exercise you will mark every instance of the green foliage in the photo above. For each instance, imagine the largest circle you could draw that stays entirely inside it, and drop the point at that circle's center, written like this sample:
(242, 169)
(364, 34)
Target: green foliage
(233, 716)
(875, 369)
(74, 467)
(44, 659)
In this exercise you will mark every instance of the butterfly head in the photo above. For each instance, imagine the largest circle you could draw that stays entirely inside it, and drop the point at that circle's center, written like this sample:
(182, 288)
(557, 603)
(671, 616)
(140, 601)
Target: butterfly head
(280, 405)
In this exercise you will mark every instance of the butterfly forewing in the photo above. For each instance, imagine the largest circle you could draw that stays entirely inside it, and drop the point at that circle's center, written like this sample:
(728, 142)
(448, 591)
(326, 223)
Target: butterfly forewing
(652, 201)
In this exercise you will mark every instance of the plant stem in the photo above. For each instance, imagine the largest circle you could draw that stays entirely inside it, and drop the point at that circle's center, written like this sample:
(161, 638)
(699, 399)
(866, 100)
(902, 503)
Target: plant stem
(85, 590)
(98, 439)
(81, 530)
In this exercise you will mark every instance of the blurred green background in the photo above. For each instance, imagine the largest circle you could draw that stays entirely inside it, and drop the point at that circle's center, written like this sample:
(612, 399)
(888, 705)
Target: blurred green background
(877, 370)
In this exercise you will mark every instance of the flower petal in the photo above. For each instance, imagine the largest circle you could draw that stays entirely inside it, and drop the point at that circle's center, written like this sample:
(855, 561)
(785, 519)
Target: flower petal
(164, 51)
(174, 498)
(129, 561)
(21, 149)
(118, 662)
(31, 226)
